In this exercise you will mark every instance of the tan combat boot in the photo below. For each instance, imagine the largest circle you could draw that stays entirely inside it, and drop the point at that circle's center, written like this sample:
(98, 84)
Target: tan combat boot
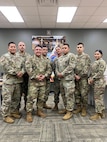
(78, 110)
(46, 106)
(103, 114)
(55, 107)
(63, 111)
(16, 114)
(41, 114)
(29, 117)
(83, 112)
(8, 119)
(96, 116)
(68, 115)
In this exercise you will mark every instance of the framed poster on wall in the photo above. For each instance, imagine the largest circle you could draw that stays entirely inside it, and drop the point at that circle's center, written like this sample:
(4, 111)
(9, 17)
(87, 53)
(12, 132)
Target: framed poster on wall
(50, 41)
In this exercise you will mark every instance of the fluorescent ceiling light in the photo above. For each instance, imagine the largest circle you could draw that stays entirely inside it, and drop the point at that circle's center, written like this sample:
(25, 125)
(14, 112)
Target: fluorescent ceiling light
(11, 13)
(105, 21)
(65, 14)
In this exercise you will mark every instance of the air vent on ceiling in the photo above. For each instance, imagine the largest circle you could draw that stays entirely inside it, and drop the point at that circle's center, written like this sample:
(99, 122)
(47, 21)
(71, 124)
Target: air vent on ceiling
(47, 2)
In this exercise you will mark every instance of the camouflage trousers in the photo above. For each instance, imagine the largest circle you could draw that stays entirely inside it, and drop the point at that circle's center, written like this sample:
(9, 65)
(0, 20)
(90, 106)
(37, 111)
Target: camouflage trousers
(56, 91)
(11, 98)
(24, 88)
(35, 91)
(47, 91)
(67, 88)
(81, 92)
(99, 88)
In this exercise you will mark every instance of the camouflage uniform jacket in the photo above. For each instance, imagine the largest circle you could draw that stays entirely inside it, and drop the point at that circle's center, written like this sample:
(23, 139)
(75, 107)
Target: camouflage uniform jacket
(49, 65)
(65, 65)
(82, 65)
(97, 69)
(36, 66)
(54, 64)
(12, 64)
(25, 56)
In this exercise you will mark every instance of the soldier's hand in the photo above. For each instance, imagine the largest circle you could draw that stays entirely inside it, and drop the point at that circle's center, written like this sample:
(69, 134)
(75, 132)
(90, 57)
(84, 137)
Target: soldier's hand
(90, 81)
(77, 77)
(41, 77)
(19, 74)
(38, 77)
(60, 75)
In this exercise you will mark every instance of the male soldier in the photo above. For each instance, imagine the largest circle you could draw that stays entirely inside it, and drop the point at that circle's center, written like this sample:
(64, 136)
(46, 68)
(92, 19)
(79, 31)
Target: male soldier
(38, 71)
(12, 79)
(24, 55)
(44, 53)
(56, 80)
(65, 71)
(81, 80)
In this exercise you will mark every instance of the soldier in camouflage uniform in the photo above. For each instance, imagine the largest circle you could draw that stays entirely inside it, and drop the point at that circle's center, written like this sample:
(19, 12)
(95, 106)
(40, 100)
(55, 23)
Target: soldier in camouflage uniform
(56, 79)
(38, 70)
(65, 71)
(81, 80)
(44, 53)
(12, 79)
(24, 55)
(97, 80)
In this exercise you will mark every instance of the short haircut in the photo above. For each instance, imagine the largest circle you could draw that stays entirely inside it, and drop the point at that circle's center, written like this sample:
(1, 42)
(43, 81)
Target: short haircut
(80, 43)
(38, 45)
(11, 43)
(66, 44)
(44, 46)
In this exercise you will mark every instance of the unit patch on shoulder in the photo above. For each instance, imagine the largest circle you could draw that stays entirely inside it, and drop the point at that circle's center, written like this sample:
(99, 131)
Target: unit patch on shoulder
(101, 66)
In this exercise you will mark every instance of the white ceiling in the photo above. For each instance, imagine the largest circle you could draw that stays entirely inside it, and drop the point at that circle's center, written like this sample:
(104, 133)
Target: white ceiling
(43, 13)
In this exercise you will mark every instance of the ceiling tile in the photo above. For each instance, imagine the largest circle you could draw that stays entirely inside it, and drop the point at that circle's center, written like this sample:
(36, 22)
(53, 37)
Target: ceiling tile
(25, 3)
(6, 25)
(28, 11)
(76, 25)
(7, 3)
(80, 18)
(31, 18)
(19, 25)
(102, 25)
(101, 11)
(97, 18)
(91, 25)
(89, 13)
(68, 2)
(85, 11)
(33, 24)
(48, 24)
(90, 2)
(3, 19)
(48, 18)
(47, 10)
(104, 3)
(62, 25)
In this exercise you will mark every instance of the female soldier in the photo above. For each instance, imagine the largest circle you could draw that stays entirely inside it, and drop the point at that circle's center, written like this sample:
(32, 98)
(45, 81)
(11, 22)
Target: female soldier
(97, 80)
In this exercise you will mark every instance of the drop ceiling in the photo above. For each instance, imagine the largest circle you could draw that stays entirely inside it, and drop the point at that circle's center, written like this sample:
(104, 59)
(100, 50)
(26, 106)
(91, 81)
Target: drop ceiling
(43, 14)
